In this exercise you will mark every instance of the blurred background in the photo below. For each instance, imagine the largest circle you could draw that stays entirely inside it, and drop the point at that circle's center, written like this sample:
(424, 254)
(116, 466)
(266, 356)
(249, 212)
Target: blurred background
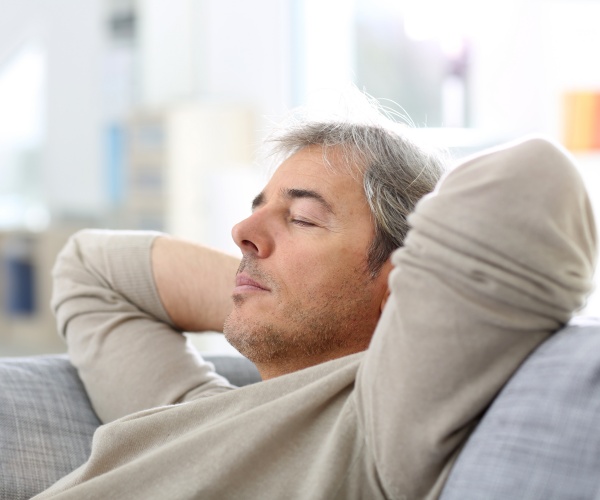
(148, 114)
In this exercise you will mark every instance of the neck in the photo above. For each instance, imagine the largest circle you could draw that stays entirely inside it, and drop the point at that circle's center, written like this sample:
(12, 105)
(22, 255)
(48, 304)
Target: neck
(272, 369)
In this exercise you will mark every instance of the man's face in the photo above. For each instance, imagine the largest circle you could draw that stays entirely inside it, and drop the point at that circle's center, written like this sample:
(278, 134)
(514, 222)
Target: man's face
(303, 293)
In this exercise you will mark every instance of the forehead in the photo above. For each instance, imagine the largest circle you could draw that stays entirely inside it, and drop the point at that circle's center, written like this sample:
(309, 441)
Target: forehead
(329, 174)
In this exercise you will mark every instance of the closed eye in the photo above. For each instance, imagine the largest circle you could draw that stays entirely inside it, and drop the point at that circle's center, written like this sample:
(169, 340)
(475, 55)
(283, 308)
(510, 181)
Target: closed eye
(302, 223)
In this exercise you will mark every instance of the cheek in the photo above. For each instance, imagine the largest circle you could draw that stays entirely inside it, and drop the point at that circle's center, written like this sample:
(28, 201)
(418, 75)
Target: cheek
(315, 264)
(328, 272)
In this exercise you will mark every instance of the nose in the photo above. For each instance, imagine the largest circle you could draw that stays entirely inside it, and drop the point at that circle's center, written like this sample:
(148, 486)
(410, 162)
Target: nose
(252, 236)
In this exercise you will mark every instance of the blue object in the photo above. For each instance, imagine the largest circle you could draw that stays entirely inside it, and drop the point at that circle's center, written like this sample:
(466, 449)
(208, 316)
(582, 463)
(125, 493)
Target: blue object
(115, 158)
(19, 277)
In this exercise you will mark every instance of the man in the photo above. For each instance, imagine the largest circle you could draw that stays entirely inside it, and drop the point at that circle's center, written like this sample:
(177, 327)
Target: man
(495, 262)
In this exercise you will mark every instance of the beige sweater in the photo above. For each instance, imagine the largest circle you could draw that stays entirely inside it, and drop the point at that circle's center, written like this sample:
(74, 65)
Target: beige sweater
(497, 260)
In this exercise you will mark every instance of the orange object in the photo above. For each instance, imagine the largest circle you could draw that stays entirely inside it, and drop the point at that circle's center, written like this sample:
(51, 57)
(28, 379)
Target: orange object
(582, 120)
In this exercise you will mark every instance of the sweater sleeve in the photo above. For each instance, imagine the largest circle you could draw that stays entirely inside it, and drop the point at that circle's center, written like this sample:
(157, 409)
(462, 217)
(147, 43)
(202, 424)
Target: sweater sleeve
(497, 259)
(119, 337)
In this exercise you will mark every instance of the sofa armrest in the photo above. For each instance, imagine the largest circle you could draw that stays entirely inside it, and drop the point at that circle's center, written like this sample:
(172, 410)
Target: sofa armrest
(47, 421)
(46, 424)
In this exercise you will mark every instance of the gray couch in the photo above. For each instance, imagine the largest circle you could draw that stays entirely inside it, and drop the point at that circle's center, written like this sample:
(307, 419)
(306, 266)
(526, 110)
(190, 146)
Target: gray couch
(540, 439)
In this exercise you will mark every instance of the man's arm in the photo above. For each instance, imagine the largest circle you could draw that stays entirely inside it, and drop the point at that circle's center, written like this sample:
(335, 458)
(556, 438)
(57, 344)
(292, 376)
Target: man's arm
(127, 347)
(497, 260)
(194, 304)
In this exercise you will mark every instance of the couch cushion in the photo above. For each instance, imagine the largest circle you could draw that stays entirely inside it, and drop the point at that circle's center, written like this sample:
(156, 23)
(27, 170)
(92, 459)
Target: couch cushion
(46, 424)
(238, 370)
(540, 439)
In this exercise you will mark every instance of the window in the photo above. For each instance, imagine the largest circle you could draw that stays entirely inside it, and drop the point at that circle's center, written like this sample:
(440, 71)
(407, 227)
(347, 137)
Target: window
(22, 80)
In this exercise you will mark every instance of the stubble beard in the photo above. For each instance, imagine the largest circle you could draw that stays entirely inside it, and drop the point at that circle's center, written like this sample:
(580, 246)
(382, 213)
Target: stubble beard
(317, 329)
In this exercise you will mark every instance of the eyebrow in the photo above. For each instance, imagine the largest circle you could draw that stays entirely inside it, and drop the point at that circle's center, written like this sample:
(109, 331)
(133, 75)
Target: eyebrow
(293, 194)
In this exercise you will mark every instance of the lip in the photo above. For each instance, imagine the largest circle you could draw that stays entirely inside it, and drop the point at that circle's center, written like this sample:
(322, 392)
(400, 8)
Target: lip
(244, 283)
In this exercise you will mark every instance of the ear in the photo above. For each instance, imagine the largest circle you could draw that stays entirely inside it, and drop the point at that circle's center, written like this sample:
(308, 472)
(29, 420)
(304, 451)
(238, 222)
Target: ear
(386, 296)
(384, 275)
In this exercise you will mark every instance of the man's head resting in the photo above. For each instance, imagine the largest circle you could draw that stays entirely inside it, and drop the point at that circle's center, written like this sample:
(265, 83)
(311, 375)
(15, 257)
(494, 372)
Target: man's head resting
(316, 249)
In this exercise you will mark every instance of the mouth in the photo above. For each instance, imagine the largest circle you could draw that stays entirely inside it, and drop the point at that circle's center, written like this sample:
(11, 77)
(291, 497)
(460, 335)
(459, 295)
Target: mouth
(244, 284)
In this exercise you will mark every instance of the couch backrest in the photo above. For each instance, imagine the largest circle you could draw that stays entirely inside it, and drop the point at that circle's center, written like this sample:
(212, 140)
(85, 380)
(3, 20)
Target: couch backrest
(540, 439)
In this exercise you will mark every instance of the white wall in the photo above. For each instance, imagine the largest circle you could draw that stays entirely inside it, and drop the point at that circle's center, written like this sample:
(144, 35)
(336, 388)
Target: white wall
(326, 32)
(234, 51)
(19, 18)
(571, 39)
(526, 54)
(74, 173)
(507, 98)
(69, 32)
(167, 44)
(247, 51)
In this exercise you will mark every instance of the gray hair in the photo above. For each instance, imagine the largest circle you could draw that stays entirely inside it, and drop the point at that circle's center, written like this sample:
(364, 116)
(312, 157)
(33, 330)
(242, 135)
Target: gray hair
(396, 172)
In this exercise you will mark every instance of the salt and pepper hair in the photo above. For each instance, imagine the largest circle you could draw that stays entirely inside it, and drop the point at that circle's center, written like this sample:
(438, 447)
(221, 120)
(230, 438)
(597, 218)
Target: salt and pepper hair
(396, 170)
